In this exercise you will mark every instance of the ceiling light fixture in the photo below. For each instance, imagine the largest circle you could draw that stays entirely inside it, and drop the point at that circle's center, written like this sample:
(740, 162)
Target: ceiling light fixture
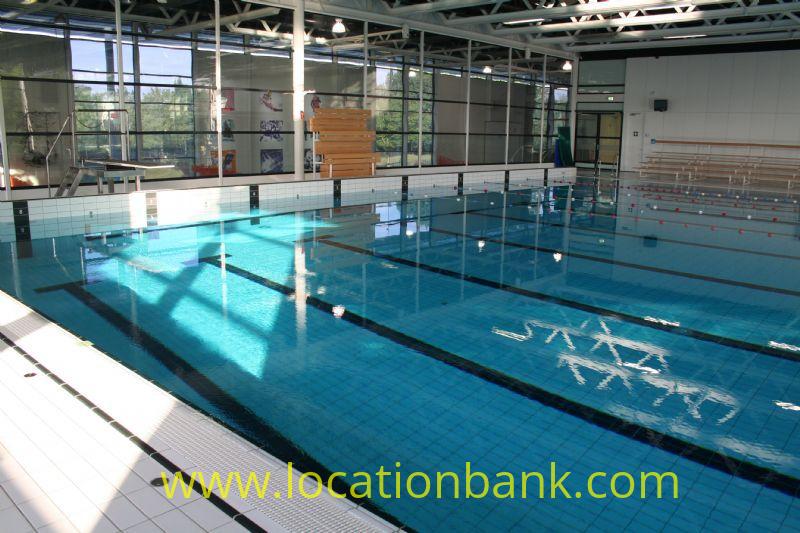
(339, 27)
(523, 21)
(567, 66)
(686, 36)
(487, 69)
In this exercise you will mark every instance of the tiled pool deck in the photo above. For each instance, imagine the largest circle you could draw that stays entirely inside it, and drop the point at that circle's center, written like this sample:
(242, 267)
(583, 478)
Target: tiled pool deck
(82, 437)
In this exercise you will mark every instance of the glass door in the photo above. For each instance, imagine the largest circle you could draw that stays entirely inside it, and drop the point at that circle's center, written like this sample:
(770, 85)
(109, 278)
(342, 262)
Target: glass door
(598, 138)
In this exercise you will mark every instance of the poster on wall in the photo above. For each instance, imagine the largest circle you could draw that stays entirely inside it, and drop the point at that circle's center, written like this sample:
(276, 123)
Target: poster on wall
(270, 130)
(307, 160)
(228, 161)
(272, 101)
(316, 103)
(271, 160)
(227, 129)
(228, 100)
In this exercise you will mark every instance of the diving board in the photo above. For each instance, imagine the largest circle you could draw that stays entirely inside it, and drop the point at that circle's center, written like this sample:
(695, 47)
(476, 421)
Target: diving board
(107, 171)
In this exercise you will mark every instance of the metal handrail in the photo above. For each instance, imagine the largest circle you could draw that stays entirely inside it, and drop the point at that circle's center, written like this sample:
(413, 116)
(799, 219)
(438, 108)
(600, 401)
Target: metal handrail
(124, 134)
(68, 120)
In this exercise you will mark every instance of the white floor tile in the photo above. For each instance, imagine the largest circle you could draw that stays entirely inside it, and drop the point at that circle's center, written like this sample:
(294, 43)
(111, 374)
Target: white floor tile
(205, 514)
(91, 521)
(13, 521)
(152, 502)
(41, 512)
(230, 527)
(5, 501)
(144, 527)
(63, 526)
(21, 489)
(99, 491)
(123, 513)
(176, 521)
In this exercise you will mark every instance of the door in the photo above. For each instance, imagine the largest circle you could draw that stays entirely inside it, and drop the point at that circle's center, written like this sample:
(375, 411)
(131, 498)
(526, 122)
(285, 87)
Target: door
(598, 138)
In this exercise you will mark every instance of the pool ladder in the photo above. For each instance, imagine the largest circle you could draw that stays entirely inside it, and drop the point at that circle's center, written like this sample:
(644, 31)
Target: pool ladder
(71, 180)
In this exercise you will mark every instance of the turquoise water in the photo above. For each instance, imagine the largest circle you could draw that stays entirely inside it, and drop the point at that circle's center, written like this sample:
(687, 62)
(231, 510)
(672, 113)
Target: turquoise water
(621, 331)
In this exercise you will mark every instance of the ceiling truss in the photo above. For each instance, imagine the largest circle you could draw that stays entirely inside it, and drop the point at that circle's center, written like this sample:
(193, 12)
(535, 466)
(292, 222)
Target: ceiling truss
(592, 25)
(560, 28)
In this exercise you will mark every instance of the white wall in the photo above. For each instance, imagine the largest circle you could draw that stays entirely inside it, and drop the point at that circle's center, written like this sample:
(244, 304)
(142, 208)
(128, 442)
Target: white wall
(746, 97)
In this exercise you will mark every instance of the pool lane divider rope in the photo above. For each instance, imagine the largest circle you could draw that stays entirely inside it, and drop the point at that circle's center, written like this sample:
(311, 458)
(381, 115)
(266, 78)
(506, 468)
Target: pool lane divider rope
(607, 313)
(767, 477)
(251, 426)
(637, 266)
(151, 452)
(712, 227)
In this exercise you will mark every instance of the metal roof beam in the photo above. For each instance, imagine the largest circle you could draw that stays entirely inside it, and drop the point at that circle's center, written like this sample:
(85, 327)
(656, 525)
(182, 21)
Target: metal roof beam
(577, 10)
(230, 19)
(438, 5)
(95, 13)
(359, 11)
(638, 35)
(647, 20)
(674, 43)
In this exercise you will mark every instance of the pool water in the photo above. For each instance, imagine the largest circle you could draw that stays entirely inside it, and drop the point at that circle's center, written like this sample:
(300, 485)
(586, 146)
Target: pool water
(623, 329)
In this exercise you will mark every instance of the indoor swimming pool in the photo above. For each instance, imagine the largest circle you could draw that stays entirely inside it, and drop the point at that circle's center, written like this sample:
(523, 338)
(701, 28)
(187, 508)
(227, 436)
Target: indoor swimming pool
(611, 328)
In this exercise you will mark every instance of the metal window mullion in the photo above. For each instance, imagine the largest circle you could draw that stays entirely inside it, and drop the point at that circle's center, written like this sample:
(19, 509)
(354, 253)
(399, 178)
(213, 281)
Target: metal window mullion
(541, 113)
(421, 87)
(508, 103)
(573, 105)
(71, 91)
(469, 87)
(218, 89)
(123, 116)
(6, 178)
(366, 58)
(194, 99)
(404, 135)
(137, 96)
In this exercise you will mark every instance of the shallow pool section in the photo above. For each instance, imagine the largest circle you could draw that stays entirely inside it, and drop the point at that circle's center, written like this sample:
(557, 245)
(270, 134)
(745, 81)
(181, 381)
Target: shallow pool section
(616, 329)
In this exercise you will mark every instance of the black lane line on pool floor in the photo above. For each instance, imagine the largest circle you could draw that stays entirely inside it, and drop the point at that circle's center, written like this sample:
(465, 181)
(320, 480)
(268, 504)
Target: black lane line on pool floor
(767, 477)
(637, 236)
(637, 266)
(269, 439)
(625, 317)
(151, 452)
